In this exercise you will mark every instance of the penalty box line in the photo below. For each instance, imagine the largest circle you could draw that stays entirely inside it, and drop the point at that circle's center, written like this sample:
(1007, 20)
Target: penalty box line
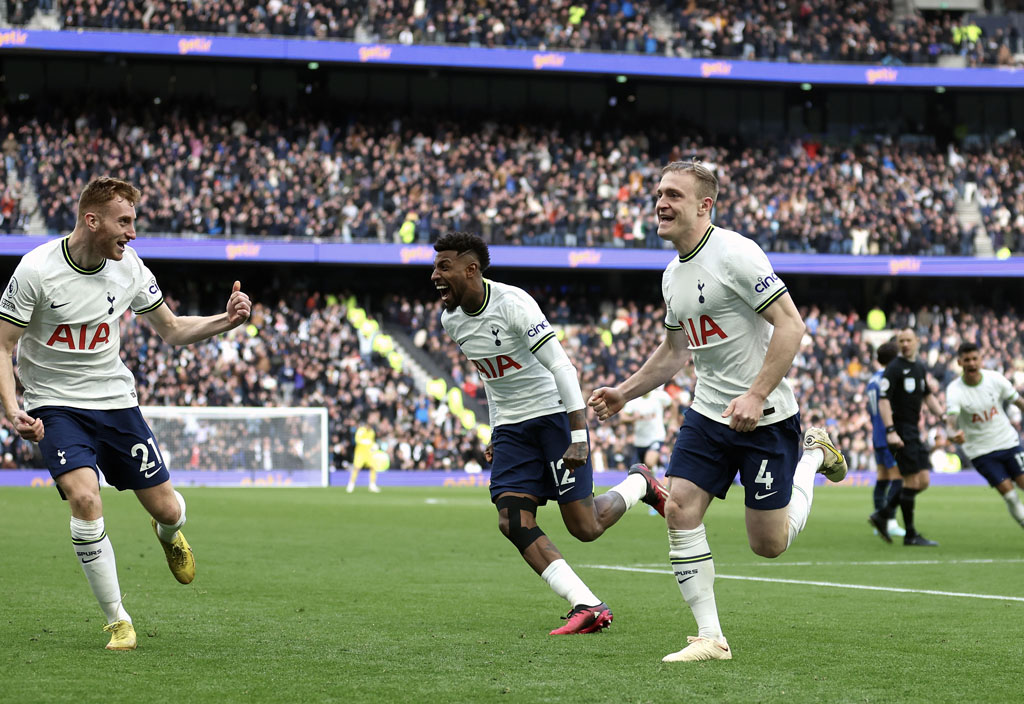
(815, 583)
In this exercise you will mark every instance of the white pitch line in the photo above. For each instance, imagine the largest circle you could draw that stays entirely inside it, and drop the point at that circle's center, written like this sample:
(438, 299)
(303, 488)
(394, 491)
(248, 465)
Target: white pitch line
(813, 583)
(884, 563)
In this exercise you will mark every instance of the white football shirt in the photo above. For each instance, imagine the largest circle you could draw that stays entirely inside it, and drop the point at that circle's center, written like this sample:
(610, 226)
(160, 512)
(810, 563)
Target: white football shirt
(716, 294)
(980, 414)
(500, 339)
(649, 411)
(69, 353)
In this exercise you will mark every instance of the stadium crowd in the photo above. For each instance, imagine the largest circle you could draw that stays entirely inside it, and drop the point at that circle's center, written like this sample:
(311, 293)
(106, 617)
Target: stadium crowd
(804, 31)
(407, 181)
(300, 350)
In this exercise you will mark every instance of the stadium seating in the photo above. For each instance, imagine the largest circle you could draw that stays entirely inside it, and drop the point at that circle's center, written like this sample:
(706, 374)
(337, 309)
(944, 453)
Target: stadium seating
(229, 174)
(812, 30)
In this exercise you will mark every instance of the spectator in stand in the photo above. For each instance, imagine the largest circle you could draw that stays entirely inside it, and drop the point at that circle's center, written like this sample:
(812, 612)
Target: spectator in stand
(809, 31)
(221, 175)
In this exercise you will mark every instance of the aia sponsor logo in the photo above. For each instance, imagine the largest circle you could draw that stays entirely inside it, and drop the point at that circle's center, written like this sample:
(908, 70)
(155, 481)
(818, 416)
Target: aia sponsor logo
(702, 331)
(66, 337)
(495, 367)
(985, 416)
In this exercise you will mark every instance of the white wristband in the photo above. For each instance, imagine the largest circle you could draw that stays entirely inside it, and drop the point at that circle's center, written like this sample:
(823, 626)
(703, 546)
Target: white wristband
(578, 436)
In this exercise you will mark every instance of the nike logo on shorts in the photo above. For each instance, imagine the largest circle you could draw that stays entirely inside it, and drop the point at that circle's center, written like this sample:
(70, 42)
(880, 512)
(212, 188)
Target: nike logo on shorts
(760, 496)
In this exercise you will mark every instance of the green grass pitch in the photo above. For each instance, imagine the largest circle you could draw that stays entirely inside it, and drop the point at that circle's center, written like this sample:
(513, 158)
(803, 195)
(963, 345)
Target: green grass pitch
(412, 595)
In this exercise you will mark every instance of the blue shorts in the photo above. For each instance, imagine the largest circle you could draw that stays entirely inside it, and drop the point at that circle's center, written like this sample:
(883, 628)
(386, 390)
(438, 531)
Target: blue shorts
(116, 442)
(709, 454)
(1000, 465)
(884, 458)
(639, 453)
(528, 460)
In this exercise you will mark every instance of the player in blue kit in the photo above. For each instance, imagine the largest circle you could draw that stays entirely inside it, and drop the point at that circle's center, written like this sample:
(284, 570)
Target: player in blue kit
(726, 308)
(540, 447)
(61, 310)
(888, 482)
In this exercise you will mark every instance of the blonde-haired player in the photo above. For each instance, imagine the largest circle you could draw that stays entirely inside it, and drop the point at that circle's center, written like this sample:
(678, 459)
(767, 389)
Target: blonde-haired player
(728, 310)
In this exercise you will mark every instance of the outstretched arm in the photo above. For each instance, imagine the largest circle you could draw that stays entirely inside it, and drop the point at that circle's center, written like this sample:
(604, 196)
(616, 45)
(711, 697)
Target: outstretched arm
(186, 329)
(659, 369)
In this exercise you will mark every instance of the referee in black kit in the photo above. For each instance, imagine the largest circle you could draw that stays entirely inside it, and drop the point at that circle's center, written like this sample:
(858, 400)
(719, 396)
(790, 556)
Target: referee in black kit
(904, 386)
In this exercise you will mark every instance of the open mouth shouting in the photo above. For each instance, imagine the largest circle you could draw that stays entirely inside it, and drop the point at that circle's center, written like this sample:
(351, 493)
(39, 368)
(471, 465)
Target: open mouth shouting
(445, 292)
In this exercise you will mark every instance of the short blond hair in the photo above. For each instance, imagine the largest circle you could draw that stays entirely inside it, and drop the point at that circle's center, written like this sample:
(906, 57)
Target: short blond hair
(103, 190)
(707, 182)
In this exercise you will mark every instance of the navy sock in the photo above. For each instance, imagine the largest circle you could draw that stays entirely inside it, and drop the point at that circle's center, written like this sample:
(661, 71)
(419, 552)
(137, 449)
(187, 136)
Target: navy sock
(894, 489)
(889, 510)
(881, 493)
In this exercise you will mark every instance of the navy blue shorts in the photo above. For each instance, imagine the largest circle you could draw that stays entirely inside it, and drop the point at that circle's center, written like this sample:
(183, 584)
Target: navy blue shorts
(116, 442)
(884, 458)
(1000, 465)
(639, 453)
(709, 454)
(528, 460)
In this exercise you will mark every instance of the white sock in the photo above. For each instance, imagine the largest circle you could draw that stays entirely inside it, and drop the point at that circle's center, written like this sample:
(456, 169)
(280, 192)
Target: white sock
(803, 492)
(96, 555)
(1014, 504)
(168, 533)
(694, 570)
(631, 489)
(566, 584)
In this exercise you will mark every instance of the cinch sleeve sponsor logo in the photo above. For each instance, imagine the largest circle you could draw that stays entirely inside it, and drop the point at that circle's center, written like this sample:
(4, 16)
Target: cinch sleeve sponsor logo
(14, 37)
(195, 45)
(377, 52)
(537, 329)
(242, 251)
(548, 61)
(584, 257)
(904, 266)
(715, 68)
(881, 75)
(765, 283)
(421, 253)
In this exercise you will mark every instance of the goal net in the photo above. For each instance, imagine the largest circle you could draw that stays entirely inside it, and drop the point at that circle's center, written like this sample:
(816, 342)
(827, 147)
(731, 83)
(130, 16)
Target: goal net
(242, 446)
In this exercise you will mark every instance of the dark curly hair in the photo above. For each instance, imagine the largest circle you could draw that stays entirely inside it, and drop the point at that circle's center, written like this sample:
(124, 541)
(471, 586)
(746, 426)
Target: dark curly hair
(463, 242)
(886, 352)
(965, 347)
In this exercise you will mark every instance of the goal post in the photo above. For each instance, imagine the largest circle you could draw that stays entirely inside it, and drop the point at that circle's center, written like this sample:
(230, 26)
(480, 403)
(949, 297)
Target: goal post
(242, 446)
